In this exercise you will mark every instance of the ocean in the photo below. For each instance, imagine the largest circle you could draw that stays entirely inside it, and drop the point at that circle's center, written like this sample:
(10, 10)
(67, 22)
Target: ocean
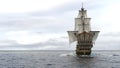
(58, 59)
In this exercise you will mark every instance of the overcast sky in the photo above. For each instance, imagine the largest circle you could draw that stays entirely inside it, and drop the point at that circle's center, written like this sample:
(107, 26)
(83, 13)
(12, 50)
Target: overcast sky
(43, 24)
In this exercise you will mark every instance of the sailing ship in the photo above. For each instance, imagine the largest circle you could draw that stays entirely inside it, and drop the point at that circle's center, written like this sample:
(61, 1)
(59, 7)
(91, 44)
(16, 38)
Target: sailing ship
(82, 34)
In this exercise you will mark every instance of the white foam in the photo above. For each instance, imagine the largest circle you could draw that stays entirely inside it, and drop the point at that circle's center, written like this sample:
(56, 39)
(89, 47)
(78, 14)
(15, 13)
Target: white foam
(69, 54)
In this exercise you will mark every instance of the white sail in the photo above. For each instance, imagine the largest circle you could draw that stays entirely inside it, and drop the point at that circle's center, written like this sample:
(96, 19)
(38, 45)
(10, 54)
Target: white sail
(79, 24)
(72, 36)
(95, 35)
(82, 24)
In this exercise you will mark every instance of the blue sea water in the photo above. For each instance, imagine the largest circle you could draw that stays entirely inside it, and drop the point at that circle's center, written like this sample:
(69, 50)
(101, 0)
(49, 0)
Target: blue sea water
(58, 59)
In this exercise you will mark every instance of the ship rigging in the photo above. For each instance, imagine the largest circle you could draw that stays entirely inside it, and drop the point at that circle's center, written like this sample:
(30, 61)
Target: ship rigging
(83, 34)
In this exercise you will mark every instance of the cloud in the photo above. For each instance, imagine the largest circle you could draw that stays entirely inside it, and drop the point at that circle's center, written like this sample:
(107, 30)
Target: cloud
(23, 6)
(55, 43)
(108, 41)
(47, 29)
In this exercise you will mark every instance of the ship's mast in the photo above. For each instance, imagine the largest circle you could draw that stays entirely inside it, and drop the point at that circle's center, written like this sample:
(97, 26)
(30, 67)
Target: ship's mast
(82, 17)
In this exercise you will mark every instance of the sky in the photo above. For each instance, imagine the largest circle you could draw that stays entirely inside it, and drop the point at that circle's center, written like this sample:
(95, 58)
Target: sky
(43, 24)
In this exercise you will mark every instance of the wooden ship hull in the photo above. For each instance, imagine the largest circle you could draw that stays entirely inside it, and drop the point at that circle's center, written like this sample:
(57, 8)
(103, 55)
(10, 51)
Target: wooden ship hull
(84, 43)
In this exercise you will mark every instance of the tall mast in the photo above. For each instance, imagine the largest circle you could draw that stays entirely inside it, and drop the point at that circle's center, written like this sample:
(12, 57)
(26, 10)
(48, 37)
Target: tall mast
(82, 17)
(82, 4)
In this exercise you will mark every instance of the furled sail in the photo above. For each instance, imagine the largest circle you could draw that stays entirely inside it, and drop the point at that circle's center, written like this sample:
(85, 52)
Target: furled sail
(95, 35)
(72, 36)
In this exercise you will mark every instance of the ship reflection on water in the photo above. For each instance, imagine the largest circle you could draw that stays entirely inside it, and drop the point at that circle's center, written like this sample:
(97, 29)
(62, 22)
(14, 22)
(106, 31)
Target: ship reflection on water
(58, 59)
